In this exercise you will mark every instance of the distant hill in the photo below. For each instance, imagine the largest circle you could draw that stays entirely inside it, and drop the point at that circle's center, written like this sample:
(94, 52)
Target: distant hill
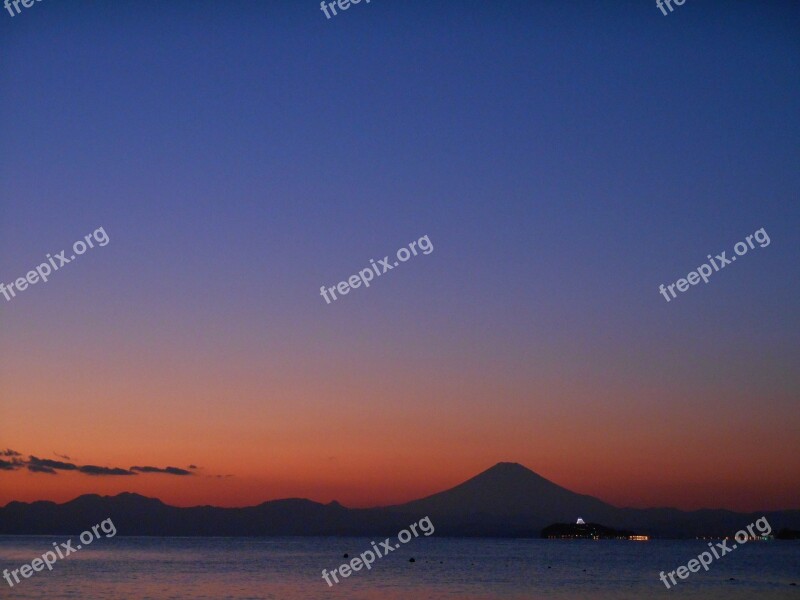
(507, 500)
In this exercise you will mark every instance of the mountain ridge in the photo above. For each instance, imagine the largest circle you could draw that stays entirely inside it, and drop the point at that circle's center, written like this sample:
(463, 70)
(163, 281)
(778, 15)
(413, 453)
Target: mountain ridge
(505, 500)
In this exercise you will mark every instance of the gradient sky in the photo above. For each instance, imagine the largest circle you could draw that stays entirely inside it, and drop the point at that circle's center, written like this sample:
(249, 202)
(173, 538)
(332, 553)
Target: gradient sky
(565, 159)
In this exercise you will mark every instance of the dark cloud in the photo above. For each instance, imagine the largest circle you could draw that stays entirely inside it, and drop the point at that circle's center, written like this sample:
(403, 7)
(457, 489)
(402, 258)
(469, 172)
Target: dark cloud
(41, 469)
(168, 470)
(177, 471)
(11, 465)
(95, 470)
(35, 464)
(64, 456)
(40, 465)
(51, 464)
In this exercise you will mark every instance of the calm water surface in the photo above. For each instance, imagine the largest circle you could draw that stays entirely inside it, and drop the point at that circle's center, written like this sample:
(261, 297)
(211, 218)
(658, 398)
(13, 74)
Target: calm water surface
(122, 568)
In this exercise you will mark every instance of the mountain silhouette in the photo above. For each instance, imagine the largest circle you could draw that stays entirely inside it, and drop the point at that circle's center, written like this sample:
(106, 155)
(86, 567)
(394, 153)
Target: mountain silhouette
(507, 500)
(509, 490)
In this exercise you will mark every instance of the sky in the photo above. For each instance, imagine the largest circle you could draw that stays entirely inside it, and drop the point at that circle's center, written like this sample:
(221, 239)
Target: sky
(564, 160)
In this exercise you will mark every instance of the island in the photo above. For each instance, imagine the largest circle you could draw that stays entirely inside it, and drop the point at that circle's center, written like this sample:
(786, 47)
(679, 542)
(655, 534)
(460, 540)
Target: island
(588, 531)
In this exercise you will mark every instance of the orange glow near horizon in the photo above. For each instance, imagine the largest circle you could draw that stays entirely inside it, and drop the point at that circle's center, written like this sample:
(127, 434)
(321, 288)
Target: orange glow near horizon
(325, 438)
(334, 482)
(302, 419)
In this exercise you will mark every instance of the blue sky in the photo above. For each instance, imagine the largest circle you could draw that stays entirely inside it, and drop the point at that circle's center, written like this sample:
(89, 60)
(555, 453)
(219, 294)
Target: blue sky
(564, 158)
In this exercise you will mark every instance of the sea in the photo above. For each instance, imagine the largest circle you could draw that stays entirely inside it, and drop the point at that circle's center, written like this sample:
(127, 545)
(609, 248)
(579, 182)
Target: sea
(146, 568)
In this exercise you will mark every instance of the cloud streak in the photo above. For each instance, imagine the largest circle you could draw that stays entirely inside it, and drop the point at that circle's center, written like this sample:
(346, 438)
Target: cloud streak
(10, 465)
(51, 464)
(168, 470)
(47, 466)
(97, 471)
(41, 469)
